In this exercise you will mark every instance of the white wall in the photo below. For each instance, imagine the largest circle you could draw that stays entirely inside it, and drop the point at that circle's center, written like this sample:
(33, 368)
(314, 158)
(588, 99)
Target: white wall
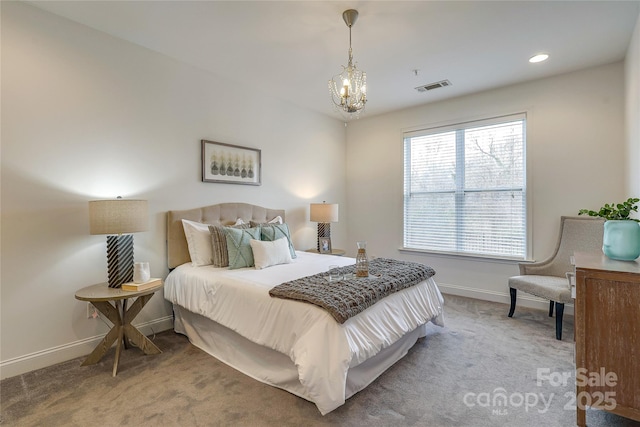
(87, 116)
(632, 85)
(575, 137)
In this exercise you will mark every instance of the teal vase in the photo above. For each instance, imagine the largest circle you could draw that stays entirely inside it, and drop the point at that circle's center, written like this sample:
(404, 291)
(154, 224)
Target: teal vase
(621, 240)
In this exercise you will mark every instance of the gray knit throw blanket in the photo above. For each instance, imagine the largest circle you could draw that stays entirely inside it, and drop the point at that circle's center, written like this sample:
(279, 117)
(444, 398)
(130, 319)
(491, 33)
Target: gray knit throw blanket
(348, 297)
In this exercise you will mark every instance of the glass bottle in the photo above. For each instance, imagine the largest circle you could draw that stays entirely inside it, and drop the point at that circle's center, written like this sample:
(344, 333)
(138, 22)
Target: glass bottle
(362, 263)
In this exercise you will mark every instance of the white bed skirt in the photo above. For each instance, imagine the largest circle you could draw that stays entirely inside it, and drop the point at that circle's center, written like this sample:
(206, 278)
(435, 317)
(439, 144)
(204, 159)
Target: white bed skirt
(275, 368)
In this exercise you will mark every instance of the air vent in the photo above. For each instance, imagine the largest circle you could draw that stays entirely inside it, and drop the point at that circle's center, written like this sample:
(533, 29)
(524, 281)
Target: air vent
(432, 86)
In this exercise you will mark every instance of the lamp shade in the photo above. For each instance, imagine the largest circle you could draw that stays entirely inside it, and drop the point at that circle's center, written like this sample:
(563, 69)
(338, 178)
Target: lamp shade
(324, 212)
(118, 216)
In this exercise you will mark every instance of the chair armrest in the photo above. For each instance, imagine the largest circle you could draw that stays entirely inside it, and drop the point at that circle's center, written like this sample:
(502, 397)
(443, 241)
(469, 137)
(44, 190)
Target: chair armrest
(536, 268)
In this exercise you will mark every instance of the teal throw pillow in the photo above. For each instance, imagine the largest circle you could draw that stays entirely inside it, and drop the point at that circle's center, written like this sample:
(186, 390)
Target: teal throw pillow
(238, 246)
(272, 232)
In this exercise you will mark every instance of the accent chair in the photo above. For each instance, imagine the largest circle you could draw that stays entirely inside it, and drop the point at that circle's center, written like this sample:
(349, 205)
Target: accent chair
(548, 279)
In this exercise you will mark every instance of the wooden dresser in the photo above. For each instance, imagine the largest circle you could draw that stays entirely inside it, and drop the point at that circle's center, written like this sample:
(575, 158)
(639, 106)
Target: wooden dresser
(607, 330)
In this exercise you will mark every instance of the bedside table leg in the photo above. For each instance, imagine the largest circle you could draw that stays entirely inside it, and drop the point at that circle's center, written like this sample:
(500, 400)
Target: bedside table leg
(122, 312)
(118, 350)
(101, 348)
(113, 315)
(119, 327)
(133, 334)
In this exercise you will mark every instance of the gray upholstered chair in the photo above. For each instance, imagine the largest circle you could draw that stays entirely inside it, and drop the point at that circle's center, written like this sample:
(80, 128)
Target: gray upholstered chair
(548, 279)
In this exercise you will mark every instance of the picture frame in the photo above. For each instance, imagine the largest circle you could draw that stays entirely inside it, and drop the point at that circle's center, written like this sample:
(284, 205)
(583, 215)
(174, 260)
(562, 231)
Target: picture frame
(325, 245)
(230, 164)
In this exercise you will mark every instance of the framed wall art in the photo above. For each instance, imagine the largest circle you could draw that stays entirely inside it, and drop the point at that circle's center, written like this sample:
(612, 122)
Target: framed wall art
(230, 164)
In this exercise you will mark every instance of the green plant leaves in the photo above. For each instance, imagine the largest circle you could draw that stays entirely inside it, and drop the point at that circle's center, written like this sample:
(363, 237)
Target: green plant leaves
(620, 211)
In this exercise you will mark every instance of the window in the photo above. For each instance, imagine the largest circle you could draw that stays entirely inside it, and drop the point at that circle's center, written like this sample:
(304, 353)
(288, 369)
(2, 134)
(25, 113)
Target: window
(465, 188)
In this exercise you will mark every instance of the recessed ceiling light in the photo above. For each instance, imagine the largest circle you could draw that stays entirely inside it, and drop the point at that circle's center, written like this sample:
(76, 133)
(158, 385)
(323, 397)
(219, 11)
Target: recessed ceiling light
(539, 58)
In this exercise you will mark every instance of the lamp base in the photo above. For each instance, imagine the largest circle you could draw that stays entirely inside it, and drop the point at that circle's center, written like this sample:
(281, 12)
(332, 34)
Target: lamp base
(324, 230)
(119, 259)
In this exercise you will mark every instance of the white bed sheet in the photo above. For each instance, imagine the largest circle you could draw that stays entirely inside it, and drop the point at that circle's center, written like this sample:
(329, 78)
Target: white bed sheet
(322, 349)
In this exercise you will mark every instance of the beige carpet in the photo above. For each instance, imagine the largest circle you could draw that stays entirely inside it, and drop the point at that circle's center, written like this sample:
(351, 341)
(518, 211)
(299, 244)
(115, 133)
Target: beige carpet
(449, 378)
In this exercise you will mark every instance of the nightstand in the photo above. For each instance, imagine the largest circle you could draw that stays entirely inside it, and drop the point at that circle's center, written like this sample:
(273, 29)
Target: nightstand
(100, 296)
(336, 252)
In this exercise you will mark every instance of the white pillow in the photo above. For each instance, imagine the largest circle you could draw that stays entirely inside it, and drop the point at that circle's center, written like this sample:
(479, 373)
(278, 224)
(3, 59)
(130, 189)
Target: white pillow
(276, 220)
(239, 221)
(266, 254)
(199, 242)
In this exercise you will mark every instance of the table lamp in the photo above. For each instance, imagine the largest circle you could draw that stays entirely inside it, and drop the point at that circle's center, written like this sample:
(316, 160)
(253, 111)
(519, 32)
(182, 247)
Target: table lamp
(324, 214)
(117, 218)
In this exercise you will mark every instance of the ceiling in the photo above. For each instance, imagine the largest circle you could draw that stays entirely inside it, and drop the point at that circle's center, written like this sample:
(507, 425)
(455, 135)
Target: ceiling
(290, 49)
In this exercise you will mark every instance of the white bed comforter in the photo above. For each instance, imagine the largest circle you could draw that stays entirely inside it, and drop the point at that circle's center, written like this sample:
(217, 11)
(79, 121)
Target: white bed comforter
(322, 349)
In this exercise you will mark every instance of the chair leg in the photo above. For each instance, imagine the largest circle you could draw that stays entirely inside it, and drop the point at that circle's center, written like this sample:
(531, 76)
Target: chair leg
(559, 313)
(550, 308)
(514, 293)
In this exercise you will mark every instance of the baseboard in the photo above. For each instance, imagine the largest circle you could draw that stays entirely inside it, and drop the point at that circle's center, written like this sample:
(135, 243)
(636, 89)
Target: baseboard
(51, 356)
(524, 300)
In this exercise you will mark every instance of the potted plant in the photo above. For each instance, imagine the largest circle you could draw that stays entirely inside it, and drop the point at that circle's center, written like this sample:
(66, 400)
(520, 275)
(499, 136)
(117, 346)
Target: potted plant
(621, 239)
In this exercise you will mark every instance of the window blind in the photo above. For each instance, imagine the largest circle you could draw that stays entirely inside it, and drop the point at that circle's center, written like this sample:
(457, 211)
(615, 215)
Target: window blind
(465, 188)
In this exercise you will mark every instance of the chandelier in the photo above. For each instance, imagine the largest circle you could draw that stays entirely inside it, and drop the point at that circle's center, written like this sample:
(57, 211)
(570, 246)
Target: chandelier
(349, 88)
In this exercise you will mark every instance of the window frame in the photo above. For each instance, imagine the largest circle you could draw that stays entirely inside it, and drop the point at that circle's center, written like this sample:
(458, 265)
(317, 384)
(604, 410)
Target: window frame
(461, 126)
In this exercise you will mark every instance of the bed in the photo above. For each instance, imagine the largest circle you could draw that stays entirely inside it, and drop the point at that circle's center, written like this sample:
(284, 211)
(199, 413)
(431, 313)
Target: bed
(292, 345)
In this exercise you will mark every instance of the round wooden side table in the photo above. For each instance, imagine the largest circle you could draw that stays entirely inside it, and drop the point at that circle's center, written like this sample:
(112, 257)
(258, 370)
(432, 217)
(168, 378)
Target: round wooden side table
(112, 302)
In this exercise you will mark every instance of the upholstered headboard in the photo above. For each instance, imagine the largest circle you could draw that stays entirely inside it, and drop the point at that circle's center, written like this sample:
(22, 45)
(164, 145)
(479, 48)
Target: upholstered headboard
(221, 214)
